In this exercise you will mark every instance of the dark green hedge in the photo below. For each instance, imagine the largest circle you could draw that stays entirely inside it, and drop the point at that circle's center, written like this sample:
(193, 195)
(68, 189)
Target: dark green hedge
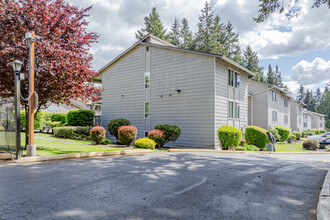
(79, 117)
(115, 124)
(256, 136)
(229, 136)
(172, 132)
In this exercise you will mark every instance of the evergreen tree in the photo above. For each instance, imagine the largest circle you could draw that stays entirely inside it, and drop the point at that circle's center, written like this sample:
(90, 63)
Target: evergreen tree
(231, 43)
(278, 77)
(317, 96)
(250, 61)
(175, 33)
(216, 32)
(186, 35)
(324, 108)
(309, 101)
(301, 94)
(271, 78)
(153, 25)
(203, 39)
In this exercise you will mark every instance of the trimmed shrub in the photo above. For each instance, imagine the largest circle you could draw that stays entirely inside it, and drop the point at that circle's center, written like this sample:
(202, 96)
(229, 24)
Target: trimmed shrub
(284, 132)
(315, 131)
(59, 117)
(172, 132)
(311, 144)
(80, 117)
(240, 148)
(115, 124)
(292, 136)
(322, 131)
(229, 136)
(252, 148)
(145, 143)
(275, 133)
(64, 132)
(106, 141)
(158, 136)
(297, 134)
(256, 136)
(97, 134)
(127, 134)
(308, 132)
(72, 132)
(55, 124)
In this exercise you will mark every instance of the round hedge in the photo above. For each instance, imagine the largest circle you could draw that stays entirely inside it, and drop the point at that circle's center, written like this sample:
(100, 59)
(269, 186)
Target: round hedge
(127, 134)
(284, 132)
(297, 134)
(80, 117)
(172, 132)
(145, 143)
(229, 136)
(256, 136)
(97, 134)
(115, 124)
(158, 136)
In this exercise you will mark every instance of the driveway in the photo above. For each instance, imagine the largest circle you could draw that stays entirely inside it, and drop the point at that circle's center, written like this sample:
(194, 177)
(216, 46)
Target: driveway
(164, 186)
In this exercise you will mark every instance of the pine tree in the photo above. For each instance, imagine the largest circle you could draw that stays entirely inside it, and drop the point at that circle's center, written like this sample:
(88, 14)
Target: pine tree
(251, 62)
(203, 39)
(301, 94)
(278, 76)
(186, 35)
(324, 107)
(309, 101)
(216, 31)
(231, 43)
(317, 96)
(271, 78)
(153, 25)
(175, 33)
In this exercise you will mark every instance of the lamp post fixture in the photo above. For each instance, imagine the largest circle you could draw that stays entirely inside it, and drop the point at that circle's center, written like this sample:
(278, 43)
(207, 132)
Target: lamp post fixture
(17, 65)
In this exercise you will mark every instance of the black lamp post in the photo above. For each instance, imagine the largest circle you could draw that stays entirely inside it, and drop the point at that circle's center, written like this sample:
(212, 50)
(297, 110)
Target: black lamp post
(17, 65)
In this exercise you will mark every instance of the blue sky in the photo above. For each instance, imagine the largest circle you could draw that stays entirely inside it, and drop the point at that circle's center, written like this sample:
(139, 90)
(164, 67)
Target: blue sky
(300, 46)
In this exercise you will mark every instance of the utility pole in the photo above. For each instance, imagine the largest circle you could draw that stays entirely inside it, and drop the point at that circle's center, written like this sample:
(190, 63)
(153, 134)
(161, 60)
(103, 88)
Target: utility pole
(31, 148)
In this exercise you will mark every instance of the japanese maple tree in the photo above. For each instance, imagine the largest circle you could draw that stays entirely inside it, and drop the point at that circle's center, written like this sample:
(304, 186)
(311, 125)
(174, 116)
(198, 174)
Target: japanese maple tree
(63, 68)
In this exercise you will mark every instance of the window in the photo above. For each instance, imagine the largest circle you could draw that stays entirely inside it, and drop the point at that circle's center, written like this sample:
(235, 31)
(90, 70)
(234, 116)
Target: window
(305, 124)
(146, 110)
(321, 118)
(299, 121)
(146, 134)
(286, 104)
(305, 115)
(233, 78)
(230, 109)
(321, 125)
(286, 119)
(233, 110)
(299, 108)
(147, 80)
(237, 80)
(274, 96)
(236, 110)
(147, 48)
(274, 115)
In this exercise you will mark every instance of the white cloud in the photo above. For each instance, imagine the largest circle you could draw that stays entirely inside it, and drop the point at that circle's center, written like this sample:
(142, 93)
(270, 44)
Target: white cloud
(316, 72)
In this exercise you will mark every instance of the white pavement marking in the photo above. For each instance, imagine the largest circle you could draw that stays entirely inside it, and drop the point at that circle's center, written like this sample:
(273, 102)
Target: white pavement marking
(191, 187)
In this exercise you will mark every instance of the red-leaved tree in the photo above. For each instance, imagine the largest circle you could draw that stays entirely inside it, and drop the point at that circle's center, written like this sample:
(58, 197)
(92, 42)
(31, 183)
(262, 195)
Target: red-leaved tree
(63, 67)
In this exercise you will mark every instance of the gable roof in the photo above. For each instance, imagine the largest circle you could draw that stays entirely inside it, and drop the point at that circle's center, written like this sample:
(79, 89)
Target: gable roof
(312, 113)
(157, 42)
(273, 86)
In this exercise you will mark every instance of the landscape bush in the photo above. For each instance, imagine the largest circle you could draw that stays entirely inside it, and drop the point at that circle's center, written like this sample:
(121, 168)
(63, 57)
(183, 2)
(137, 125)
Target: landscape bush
(127, 134)
(59, 117)
(158, 136)
(308, 132)
(297, 134)
(115, 124)
(315, 131)
(275, 133)
(327, 148)
(252, 148)
(311, 144)
(229, 136)
(240, 148)
(39, 121)
(145, 143)
(284, 132)
(80, 117)
(292, 136)
(172, 132)
(242, 143)
(97, 134)
(72, 132)
(106, 141)
(322, 131)
(256, 136)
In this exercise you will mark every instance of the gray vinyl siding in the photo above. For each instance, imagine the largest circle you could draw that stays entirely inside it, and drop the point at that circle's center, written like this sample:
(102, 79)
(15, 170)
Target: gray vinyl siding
(192, 109)
(124, 93)
(295, 115)
(277, 106)
(259, 101)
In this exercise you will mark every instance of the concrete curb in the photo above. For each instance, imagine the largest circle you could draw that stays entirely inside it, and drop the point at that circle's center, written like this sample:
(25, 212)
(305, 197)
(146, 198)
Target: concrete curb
(241, 152)
(6, 156)
(81, 155)
(323, 206)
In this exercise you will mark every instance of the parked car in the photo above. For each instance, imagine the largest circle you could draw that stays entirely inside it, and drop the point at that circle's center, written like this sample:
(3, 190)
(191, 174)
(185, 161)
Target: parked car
(319, 137)
(324, 142)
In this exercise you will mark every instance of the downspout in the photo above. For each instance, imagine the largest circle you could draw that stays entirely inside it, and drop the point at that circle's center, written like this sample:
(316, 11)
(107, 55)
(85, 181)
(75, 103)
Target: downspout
(261, 91)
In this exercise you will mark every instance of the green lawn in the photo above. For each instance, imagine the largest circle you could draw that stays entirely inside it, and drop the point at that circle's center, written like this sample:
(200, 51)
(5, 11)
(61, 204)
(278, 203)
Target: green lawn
(47, 147)
(285, 147)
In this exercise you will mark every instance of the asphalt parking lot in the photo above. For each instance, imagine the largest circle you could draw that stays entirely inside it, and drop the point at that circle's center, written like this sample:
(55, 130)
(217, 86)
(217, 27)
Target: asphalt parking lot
(165, 186)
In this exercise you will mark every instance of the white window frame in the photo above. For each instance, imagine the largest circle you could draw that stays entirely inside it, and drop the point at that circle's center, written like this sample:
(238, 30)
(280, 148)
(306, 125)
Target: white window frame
(146, 84)
(299, 120)
(234, 78)
(237, 110)
(146, 115)
(286, 102)
(231, 109)
(286, 119)
(274, 115)
(274, 96)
